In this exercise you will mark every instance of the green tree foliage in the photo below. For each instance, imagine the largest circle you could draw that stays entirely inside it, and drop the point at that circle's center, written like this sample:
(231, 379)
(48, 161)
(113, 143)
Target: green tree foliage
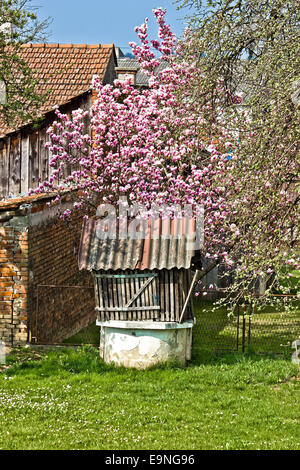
(253, 48)
(19, 24)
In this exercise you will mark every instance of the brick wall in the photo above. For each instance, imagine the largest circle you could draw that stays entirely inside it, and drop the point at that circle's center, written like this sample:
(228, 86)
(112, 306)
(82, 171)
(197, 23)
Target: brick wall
(38, 248)
(13, 284)
(60, 311)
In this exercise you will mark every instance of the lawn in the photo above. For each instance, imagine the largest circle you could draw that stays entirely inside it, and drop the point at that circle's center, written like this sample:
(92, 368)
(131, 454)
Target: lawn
(69, 399)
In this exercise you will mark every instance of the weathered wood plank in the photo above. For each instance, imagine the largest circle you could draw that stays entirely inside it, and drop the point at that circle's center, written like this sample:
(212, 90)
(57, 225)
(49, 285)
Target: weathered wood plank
(129, 276)
(138, 300)
(4, 167)
(156, 297)
(115, 297)
(191, 309)
(147, 301)
(123, 294)
(119, 293)
(167, 298)
(33, 160)
(182, 292)
(43, 156)
(24, 163)
(176, 295)
(129, 309)
(15, 165)
(171, 290)
(162, 295)
(151, 299)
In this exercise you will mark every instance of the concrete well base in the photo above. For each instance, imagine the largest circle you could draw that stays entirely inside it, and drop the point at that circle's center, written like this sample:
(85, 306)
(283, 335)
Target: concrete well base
(144, 344)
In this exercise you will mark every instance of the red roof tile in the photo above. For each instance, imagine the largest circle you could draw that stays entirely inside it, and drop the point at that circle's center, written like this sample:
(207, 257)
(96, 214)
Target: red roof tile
(65, 71)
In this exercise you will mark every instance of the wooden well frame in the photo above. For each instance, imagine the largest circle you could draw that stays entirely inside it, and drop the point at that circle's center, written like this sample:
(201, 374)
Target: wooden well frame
(158, 295)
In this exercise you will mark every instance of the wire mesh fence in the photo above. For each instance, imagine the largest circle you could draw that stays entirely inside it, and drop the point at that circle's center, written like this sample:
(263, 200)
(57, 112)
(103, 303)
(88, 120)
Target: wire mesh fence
(270, 331)
(66, 315)
(63, 314)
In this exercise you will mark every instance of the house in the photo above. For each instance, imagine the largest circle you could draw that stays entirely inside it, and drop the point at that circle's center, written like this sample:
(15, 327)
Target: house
(64, 73)
(129, 67)
(37, 249)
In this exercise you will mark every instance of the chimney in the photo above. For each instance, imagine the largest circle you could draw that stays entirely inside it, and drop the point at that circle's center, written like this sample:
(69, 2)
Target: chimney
(118, 52)
(2, 92)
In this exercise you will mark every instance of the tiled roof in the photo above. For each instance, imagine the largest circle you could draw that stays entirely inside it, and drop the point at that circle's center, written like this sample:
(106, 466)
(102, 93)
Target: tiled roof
(64, 70)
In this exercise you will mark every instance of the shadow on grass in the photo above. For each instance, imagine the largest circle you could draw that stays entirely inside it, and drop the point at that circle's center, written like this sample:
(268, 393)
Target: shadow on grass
(208, 357)
(88, 335)
(85, 360)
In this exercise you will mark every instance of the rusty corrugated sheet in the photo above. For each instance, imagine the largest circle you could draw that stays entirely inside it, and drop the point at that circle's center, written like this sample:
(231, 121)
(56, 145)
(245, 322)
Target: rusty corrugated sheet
(166, 245)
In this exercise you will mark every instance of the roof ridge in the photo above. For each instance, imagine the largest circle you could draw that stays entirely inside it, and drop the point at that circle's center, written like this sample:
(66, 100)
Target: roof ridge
(71, 46)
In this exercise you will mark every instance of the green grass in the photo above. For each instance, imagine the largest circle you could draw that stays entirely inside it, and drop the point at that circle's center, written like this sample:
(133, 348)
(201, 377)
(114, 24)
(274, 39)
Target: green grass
(69, 399)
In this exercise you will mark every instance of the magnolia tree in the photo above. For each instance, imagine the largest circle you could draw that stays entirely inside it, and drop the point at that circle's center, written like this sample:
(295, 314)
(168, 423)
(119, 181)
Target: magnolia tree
(167, 146)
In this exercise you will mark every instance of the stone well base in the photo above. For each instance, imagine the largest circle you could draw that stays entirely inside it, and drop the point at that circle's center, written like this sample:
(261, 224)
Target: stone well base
(144, 344)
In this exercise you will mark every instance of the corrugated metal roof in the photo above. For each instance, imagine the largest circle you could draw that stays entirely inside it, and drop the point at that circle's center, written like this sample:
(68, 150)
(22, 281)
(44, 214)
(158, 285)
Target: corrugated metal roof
(167, 244)
(141, 79)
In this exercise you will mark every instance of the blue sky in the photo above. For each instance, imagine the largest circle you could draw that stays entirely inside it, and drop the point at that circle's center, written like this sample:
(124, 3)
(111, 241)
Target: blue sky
(104, 21)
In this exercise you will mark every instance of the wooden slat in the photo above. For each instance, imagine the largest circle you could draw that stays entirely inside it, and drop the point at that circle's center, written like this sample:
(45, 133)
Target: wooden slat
(99, 302)
(138, 300)
(15, 165)
(191, 309)
(33, 160)
(115, 296)
(167, 298)
(182, 292)
(119, 293)
(189, 289)
(171, 290)
(148, 301)
(129, 309)
(43, 156)
(123, 293)
(129, 276)
(24, 163)
(127, 296)
(105, 296)
(157, 297)
(162, 296)
(176, 295)
(111, 295)
(4, 167)
(151, 297)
